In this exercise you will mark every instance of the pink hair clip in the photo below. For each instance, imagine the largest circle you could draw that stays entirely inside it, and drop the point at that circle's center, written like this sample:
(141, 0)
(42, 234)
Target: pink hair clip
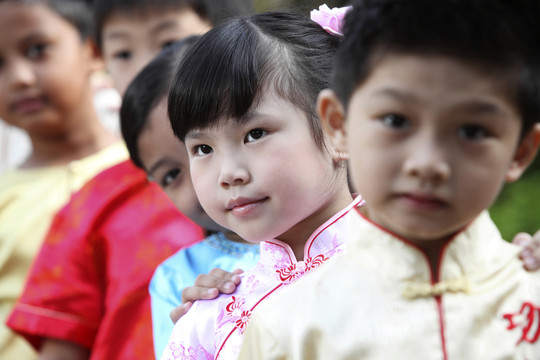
(330, 20)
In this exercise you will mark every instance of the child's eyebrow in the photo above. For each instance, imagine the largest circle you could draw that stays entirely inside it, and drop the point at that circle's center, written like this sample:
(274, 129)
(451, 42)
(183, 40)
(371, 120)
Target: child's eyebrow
(195, 135)
(119, 34)
(396, 94)
(164, 25)
(481, 107)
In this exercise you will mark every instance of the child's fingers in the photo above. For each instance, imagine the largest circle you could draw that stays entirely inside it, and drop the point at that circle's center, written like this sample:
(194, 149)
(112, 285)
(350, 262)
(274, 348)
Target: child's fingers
(209, 286)
(536, 239)
(222, 275)
(180, 311)
(194, 293)
(532, 262)
(523, 240)
(240, 271)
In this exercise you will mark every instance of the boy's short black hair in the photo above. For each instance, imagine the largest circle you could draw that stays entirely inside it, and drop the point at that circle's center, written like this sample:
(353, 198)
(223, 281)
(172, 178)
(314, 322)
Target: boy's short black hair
(76, 12)
(146, 90)
(236, 63)
(215, 11)
(497, 35)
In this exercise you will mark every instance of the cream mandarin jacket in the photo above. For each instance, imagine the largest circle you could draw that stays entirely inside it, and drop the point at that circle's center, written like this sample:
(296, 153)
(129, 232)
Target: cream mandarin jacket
(379, 300)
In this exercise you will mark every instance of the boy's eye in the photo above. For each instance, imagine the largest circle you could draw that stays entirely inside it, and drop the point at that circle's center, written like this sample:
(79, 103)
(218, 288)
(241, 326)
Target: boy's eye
(255, 134)
(201, 150)
(122, 55)
(36, 51)
(395, 121)
(472, 132)
(169, 177)
(167, 44)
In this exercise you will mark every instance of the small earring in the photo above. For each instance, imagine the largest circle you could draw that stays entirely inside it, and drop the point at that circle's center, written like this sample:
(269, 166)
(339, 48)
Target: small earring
(342, 156)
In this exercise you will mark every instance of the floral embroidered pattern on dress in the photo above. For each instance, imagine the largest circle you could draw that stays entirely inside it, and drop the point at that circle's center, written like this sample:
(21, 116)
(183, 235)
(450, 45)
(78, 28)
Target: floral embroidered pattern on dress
(236, 311)
(178, 351)
(294, 271)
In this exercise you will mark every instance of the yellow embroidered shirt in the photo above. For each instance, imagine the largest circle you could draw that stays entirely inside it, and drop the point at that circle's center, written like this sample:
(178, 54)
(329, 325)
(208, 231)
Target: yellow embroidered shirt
(29, 199)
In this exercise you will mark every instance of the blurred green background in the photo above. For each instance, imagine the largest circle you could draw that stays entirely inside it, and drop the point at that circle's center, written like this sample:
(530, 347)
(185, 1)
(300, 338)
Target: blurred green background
(517, 208)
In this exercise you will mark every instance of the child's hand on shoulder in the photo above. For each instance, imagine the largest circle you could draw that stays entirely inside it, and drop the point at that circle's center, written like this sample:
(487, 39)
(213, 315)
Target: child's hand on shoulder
(207, 287)
(530, 249)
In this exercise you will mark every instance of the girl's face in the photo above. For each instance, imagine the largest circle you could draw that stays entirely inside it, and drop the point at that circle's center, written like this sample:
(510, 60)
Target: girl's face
(166, 161)
(264, 177)
(44, 69)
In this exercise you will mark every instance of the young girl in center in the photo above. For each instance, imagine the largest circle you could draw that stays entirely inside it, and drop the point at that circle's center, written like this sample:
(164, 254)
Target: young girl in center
(257, 157)
(154, 148)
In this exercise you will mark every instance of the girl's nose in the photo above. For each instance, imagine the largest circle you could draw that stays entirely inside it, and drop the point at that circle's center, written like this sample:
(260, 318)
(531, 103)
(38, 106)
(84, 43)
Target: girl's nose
(233, 172)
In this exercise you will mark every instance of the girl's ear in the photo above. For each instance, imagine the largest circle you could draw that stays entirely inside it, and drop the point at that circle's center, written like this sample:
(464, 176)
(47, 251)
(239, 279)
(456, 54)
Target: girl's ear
(525, 154)
(332, 115)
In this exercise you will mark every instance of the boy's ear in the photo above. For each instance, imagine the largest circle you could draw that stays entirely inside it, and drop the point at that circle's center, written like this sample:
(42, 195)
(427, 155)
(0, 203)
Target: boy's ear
(332, 115)
(525, 154)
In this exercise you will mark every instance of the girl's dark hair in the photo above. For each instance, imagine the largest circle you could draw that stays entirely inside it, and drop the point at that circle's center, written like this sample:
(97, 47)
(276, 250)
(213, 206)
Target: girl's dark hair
(76, 12)
(498, 36)
(236, 63)
(146, 90)
(215, 11)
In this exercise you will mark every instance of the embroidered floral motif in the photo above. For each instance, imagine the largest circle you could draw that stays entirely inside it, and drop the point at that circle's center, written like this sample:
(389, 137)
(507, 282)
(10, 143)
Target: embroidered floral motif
(528, 319)
(313, 263)
(294, 271)
(178, 351)
(235, 307)
(241, 323)
(236, 310)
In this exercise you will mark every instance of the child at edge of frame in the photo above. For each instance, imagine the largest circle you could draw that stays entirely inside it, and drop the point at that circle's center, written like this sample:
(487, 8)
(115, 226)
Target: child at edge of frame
(437, 105)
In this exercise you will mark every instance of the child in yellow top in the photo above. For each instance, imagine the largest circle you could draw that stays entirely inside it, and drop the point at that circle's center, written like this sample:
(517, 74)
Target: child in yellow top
(46, 60)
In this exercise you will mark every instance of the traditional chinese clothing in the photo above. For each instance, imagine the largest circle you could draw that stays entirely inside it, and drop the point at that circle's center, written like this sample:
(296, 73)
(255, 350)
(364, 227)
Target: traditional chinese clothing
(380, 300)
(215, 328)
(89, 284)
(29, 200)
(182, 269)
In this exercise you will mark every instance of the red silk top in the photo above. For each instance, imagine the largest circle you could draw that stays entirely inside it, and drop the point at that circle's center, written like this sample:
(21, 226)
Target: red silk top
(89, 284)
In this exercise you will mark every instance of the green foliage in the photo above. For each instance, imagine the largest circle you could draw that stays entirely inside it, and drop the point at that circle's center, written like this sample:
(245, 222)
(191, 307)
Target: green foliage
(518, 207)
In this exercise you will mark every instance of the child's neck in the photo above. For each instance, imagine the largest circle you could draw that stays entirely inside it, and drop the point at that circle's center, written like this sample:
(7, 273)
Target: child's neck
(297, 236)
(76, 141)
(431, 248)
(235, 237)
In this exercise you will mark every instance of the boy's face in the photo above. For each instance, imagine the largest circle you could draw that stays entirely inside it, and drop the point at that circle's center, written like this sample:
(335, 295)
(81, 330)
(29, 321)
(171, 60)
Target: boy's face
(431, 142)
(44, 69)
(265, 177)
(166, 161)
(130, 40)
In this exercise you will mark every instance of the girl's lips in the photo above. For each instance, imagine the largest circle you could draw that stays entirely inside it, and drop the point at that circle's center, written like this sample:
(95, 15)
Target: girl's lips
(28, 105)
(243, 207)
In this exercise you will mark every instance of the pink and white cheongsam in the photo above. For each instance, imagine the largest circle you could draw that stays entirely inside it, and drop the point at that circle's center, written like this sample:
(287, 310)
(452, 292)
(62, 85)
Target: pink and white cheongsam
(214, 329)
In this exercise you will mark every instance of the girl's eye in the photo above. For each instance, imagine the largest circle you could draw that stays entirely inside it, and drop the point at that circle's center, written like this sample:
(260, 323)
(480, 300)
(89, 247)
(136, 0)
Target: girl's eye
(472, 132)
(122, 55)
(202, 150)
(395, 121)
(169, 177)
(36, 51)
(255, 134)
